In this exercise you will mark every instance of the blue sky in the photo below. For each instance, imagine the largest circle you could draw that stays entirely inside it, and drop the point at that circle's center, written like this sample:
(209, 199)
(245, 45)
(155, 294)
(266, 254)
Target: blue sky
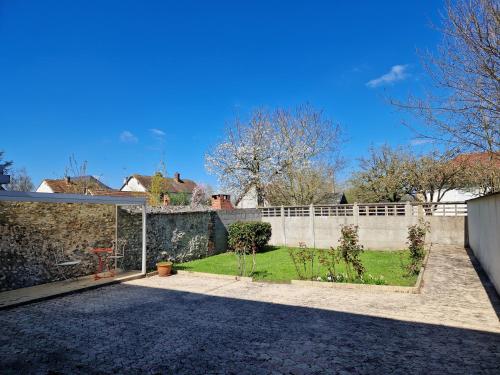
(121, 83)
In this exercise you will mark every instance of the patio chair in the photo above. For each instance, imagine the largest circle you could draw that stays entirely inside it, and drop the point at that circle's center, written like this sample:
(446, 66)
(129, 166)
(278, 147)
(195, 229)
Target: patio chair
(118, 254)
(66, 266)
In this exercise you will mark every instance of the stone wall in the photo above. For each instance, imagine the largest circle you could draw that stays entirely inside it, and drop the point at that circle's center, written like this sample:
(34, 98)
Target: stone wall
(34, 235)
(183, 236)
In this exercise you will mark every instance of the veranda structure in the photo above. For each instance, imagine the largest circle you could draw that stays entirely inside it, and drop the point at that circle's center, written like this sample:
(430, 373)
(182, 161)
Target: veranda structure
(15, 196)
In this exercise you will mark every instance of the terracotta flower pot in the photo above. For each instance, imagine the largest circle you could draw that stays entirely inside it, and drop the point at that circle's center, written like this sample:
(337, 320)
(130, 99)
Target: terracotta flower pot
(164, 268)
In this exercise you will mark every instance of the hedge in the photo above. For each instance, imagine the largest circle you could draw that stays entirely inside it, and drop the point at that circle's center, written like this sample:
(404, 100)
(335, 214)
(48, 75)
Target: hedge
(248, 236)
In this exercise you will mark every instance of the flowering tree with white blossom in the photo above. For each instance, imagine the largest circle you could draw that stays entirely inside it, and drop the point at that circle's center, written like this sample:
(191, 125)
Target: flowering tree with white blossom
(270, 146)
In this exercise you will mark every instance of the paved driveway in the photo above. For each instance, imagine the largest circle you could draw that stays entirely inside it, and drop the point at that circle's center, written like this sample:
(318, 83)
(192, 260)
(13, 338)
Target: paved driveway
(186, 324)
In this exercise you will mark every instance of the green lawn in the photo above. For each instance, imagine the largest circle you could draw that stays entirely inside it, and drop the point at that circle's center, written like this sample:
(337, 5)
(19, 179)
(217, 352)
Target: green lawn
(275, 265)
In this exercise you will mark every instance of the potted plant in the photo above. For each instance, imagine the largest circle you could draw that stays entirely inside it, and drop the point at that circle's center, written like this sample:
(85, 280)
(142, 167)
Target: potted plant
(164, 265)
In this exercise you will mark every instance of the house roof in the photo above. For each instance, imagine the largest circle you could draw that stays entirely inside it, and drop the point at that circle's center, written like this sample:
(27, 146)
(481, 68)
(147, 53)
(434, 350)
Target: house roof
(74, 184)
(169, 184)
(117, 193)
(484, 158)
(333, 198)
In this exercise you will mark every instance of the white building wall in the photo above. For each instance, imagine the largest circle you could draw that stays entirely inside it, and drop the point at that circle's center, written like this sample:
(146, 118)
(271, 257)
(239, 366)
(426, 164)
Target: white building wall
(133, 185)
(484, 234)
(44, 188)
(249, 200)
(457, 195)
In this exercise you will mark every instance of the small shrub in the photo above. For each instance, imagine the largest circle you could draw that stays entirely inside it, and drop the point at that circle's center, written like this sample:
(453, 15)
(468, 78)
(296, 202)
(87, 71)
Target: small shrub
(301, 258)
(329, 259)
(178, 199)
(248, 238)
(349, 251)
(416, 246)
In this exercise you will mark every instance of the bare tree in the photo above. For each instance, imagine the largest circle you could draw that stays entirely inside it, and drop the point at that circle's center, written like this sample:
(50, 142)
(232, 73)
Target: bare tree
(303, 186)
(271, 145)
(20, 181)
(464, 106)
(79, 182)
(383, 176)
(434, 174)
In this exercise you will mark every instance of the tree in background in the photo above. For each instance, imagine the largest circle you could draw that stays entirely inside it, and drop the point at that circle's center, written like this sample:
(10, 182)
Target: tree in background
(201, 196)
(270, 146)
(157, 190)
(308, 185)
(79, 182)
(383, 176)
(481, 174)
(434, 174)
(463, 108)
(20, 181)
(4, 163)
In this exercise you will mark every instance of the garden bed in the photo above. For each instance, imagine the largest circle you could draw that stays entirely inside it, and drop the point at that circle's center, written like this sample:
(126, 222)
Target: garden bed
(275, 264)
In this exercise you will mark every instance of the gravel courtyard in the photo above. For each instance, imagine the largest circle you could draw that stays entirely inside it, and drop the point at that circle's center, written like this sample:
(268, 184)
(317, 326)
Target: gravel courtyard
(190, 325)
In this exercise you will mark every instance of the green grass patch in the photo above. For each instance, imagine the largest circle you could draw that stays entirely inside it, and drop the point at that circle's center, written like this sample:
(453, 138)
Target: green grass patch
(276, 265)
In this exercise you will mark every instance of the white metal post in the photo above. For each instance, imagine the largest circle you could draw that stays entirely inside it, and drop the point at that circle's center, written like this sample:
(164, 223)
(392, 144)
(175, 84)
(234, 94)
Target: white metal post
(143, 239)
(311, 226)
(283, 229)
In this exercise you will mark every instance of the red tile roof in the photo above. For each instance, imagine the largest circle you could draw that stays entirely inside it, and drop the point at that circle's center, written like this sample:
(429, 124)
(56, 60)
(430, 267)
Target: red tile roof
(75, 184)
(482, 158)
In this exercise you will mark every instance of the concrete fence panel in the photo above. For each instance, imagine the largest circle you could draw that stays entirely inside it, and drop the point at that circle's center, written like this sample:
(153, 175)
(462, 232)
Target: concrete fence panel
(381, 226)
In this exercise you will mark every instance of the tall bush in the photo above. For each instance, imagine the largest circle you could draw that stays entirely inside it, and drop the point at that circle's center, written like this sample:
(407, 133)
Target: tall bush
(350, 250)
(416, 246)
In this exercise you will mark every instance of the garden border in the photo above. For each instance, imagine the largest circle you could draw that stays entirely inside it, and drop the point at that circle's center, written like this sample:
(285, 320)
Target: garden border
(372, 287)
(322, 284)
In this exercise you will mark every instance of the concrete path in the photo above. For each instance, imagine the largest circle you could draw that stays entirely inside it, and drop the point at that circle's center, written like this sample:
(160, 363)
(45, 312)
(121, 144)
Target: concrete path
(41, 292)
(186, 324)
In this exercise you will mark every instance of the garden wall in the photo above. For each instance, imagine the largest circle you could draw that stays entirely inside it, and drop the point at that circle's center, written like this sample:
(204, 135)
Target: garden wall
(484, 234)
(183, 236)
(375, 232)
(32, 234)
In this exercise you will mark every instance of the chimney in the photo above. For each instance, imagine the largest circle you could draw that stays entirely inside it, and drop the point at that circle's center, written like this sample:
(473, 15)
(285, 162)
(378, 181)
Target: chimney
(177, 177)
(67, 179)
(222, 202)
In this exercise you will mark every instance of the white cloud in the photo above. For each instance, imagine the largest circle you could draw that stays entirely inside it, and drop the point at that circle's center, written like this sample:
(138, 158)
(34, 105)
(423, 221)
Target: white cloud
(128, 137)
(420, 141)
(157, 132)
(397, 73)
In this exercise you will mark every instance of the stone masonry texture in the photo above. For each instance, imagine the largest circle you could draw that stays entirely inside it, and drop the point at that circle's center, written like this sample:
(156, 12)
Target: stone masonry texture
(34, 235)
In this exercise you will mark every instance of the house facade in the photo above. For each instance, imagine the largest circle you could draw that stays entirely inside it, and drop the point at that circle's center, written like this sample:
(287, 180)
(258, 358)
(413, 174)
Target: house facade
(249, 199)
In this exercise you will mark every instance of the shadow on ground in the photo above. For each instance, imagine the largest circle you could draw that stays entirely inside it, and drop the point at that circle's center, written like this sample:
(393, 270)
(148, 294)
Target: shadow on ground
(485, 280)
(131, 329)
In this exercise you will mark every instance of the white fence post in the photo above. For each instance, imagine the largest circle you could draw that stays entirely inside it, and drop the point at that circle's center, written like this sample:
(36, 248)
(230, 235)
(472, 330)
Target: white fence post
(355, 213)
(311, 225)
(283, 225)
(408, 209)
